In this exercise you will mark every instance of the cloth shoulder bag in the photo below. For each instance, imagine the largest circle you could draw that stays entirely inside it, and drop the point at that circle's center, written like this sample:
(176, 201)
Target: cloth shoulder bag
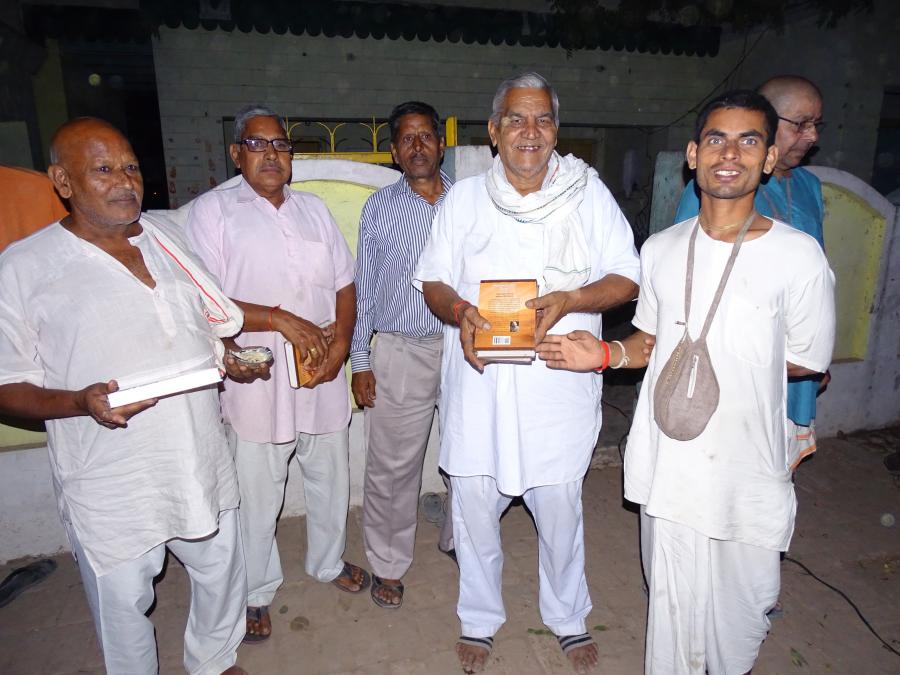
(687, 390)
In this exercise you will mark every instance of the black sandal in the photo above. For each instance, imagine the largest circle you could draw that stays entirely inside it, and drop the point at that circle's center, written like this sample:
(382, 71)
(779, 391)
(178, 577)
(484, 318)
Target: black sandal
(256, 614)
(378, 584)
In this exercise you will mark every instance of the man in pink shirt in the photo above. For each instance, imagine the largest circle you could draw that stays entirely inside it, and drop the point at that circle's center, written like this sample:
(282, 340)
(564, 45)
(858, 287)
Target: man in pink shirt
(280, 255)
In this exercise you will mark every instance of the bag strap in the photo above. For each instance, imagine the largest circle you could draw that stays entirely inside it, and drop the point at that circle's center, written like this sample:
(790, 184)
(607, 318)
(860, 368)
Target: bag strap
(689, 277)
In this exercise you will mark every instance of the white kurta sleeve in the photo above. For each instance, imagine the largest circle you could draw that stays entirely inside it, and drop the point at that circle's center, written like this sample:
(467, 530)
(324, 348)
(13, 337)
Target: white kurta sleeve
(436, 261)
(645, 314)
(618, 255)
(204, 230)
(19, 360)
(810, 318)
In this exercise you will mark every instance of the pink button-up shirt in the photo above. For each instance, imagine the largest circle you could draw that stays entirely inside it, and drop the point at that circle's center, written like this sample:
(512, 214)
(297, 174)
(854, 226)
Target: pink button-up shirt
(293, 256)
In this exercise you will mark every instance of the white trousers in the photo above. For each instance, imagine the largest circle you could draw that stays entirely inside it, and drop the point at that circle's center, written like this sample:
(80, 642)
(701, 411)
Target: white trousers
(708, 600)
(217, 619)
(564, 598)
(262, 470)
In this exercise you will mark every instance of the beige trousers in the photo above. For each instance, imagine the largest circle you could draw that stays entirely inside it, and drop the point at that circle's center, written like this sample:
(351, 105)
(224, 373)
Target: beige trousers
(407, 383)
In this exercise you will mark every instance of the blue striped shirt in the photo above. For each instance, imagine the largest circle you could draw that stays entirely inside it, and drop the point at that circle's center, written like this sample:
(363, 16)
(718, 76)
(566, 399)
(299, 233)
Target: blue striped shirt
(393, 228)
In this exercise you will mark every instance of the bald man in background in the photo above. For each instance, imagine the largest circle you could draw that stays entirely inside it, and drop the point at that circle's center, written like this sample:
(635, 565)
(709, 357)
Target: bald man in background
(792, 195)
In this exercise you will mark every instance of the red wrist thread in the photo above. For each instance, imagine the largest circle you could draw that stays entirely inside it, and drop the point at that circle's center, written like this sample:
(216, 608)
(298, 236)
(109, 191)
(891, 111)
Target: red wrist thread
(456, 307)
(271, 313)
(606, 356)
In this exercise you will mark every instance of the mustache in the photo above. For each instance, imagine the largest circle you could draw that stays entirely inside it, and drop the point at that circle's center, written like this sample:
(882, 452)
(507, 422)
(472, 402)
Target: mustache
(122, 195)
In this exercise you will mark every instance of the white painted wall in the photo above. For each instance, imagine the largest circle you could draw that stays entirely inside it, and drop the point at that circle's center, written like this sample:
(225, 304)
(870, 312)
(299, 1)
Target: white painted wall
(203, 76)
(30, 523)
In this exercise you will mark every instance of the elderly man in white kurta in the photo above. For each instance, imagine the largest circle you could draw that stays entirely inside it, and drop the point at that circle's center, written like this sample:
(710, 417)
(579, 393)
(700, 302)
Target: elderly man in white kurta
(280, 255)
(510, 430)
(115, 303)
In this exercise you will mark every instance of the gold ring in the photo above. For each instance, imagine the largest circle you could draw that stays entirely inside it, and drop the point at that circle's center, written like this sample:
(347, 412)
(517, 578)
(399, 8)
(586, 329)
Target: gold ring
(313, 350)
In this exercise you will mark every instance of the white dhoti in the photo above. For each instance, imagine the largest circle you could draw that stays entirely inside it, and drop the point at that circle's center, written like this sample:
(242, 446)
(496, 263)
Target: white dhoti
(564, 598)
(708, 600)
(217, 619)
(262, 470)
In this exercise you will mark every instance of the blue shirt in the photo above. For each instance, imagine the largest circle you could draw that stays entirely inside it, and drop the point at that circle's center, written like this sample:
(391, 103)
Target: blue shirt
(796, 201)
(393, 229)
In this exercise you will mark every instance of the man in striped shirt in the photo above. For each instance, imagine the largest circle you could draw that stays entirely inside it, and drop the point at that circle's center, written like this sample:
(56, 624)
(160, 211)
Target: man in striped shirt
(402, 368)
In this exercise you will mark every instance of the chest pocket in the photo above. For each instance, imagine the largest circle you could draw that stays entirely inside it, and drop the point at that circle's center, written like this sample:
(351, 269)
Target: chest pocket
(480, 261)
(314, 265)
(750, 330)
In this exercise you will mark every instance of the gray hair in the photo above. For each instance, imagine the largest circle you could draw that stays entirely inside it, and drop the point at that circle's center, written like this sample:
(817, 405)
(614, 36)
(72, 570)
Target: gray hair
(530, 80)
(247, 113)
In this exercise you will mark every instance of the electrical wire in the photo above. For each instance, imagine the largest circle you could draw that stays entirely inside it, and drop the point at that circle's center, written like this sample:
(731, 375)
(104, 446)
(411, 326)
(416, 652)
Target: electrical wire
(849, 602)
(618, 410)
(724, 80)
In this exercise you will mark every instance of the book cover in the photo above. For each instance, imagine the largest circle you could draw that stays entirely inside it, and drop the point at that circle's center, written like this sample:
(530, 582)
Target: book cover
(298, 372)
(511, 337)
(165, 387)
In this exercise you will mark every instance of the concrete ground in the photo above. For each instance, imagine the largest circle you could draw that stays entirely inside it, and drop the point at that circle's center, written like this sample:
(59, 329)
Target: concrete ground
(843, 492)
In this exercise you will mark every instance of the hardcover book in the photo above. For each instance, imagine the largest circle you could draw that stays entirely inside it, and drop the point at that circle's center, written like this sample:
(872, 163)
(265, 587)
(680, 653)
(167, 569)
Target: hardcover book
(511, 337)
(165, 387)
(298, 371)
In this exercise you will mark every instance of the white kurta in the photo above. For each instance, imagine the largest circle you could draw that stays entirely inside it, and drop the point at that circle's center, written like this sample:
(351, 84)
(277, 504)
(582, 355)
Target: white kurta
(523, 425)
(732, 482)
(71, 315)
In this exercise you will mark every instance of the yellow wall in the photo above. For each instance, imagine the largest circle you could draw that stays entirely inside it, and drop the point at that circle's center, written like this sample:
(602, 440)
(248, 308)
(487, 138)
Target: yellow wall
(854, 237)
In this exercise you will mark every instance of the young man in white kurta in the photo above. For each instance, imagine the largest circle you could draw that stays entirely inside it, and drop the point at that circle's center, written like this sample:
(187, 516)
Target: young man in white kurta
(778, 306)
(518, 429)
(716, 510)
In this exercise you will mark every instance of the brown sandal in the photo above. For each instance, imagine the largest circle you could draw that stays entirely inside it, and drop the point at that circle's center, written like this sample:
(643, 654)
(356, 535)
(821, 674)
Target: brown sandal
(347, 574)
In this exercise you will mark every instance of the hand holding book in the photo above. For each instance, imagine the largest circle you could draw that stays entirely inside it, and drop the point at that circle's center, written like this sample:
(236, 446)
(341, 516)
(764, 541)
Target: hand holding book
(510, 337)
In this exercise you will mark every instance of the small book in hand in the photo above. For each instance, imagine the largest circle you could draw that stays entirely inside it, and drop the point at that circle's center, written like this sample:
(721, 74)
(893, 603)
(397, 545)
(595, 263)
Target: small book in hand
(298, 368)
(511, 336)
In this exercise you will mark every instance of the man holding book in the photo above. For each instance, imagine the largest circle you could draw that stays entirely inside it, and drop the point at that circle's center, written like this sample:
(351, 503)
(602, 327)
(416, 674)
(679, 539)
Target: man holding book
(397, 381)
(737, 302)
(99, 296)
(513, 429)
(280, 255)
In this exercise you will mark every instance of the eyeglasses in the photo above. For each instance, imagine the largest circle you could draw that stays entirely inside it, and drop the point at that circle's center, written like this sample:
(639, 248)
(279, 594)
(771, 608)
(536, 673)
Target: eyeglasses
(260, 144)
(807, 125)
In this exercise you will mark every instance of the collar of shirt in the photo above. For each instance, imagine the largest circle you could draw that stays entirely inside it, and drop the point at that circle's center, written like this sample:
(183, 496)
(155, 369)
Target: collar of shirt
(403, 188)
(246, 193)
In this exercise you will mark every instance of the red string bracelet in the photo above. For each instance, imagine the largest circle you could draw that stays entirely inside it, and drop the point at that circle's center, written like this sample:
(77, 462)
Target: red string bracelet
(271, 312)
(456, 307)
(606, 355)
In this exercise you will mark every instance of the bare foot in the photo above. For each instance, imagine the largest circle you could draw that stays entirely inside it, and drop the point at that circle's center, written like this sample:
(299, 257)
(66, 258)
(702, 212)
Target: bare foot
(584, 659)
(471, 657)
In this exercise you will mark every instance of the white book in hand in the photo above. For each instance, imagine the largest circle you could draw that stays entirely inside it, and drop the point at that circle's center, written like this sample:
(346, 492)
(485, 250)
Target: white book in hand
(166, 387)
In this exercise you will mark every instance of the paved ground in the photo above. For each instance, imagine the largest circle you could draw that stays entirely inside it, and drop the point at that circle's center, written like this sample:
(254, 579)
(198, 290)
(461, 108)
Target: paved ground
(318, 630)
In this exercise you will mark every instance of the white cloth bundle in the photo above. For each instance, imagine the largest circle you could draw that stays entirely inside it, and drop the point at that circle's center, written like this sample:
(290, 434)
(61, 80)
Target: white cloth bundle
(555, 206)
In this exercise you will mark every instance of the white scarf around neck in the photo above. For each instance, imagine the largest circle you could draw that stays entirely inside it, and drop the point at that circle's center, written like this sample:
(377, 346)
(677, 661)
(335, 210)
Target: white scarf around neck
(567, 263)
